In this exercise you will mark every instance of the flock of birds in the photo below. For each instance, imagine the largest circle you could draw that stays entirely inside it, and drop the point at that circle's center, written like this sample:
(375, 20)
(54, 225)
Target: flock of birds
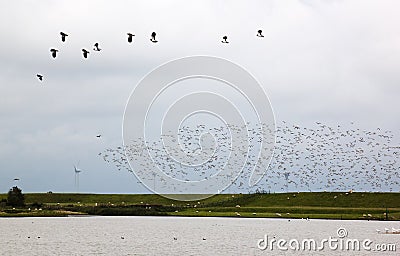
(336, 159)
(305, 159)
(85, 52)
(96, 46)
(323, 158)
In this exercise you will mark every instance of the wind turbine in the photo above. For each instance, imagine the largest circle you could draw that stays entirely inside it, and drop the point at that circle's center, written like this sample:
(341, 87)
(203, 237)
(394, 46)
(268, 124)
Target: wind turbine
(77, 171)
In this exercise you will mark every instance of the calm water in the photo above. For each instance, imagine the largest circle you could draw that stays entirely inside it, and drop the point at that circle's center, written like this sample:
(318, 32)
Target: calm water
(155, 235)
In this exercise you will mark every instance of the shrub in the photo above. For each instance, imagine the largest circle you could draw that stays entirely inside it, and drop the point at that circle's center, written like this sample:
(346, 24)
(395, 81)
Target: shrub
(15, 197)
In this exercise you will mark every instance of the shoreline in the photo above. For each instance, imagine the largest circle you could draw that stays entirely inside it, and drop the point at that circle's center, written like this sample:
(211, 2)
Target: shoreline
(312, 205)
(188, 216)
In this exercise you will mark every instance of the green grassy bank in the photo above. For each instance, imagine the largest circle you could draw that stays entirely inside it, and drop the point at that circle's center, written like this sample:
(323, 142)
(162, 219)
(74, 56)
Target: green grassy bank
(326, 205)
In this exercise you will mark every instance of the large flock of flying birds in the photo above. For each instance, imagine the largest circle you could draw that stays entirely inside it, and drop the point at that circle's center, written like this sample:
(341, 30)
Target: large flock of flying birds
(324, 158)
(305, 159)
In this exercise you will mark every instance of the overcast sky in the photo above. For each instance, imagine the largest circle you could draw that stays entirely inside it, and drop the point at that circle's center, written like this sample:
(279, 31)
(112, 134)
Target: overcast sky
(330, 61)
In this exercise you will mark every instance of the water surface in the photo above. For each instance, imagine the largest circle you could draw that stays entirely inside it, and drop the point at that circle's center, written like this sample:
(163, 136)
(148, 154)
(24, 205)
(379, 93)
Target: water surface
(177, 235)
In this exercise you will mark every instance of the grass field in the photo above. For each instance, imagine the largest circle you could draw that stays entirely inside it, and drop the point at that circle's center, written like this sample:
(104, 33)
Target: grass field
(326, 205)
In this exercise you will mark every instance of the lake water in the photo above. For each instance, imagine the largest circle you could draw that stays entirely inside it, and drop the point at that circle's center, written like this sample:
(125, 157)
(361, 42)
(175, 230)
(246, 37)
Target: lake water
(193, 236)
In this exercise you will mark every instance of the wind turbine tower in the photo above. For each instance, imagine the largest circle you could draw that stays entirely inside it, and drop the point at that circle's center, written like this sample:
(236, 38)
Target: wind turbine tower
(77, 172)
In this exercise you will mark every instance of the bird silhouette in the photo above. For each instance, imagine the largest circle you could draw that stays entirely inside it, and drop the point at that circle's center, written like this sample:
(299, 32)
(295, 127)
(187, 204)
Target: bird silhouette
(130, 37)
(40, 77)
(98, 136)
(63, 36)
(85, 53)
(153, 37)
(225, 40)
(96, 47)
(54, 53)
(259, 33)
